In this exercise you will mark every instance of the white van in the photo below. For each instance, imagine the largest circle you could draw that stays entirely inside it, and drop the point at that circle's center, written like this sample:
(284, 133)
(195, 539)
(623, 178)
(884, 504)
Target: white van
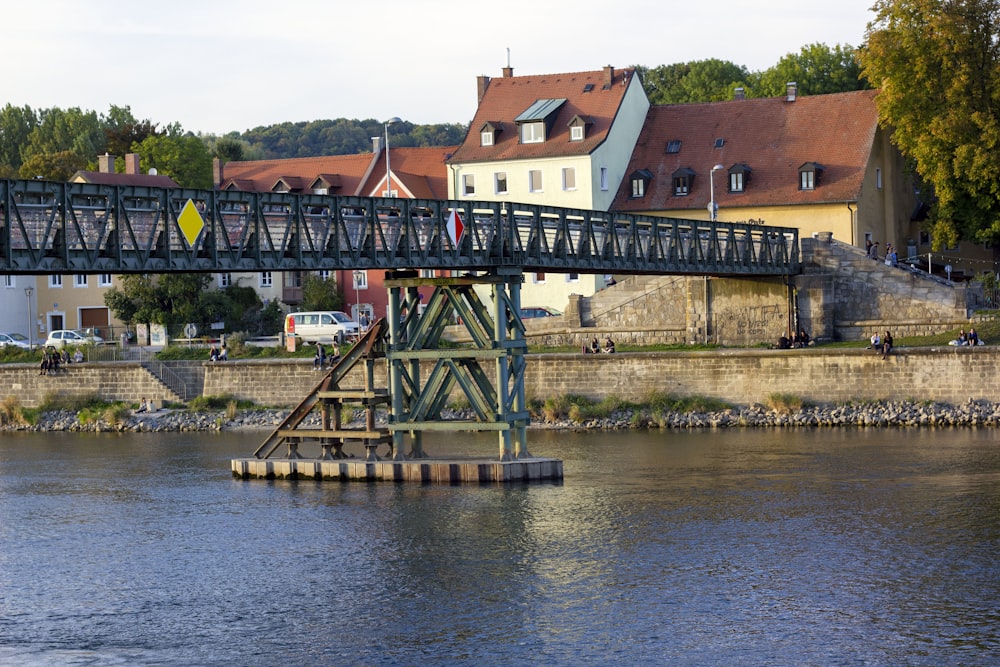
(324, 326)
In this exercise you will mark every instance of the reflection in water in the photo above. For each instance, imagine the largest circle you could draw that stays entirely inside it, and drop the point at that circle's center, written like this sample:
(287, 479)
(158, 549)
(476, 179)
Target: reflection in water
(761, 546)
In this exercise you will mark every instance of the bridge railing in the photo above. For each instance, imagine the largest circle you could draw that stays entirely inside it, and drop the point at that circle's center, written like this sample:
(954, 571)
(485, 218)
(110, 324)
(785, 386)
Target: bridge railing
(50, 227)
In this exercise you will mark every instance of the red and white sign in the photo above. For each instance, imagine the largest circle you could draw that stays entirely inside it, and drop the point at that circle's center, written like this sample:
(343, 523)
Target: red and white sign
(455, 227)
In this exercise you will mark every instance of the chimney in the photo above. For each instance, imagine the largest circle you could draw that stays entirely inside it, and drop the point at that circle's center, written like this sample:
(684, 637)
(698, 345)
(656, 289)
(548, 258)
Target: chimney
(609, 76)
(791, 88)
(132, 163)
(508, 72)
(482, 83)
(106, 163)
(217, 172)
(377, 144)
(739, 94)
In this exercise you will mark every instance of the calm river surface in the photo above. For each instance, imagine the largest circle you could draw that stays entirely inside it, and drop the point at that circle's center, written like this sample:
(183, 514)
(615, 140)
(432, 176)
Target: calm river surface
(756, 547)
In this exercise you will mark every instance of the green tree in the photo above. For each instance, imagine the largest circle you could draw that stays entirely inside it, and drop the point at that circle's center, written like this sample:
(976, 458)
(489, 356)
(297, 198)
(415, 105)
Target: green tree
(320, 294)
(52, 166)
(698, 81)
(182, 156)
(817, 70)
(16, 124)
(937, 65)
(71, 130)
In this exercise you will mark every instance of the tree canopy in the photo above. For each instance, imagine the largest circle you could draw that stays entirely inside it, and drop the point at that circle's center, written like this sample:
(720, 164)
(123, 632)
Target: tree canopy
(937, 64)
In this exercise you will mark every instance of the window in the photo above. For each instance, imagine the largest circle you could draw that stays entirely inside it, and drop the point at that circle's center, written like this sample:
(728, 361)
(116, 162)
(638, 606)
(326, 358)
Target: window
(266, 279)
(604, 178)
(569, 178)
(469, 185)
(486, 138)
(104, 280)
(426, 273)
(532, 133)
(225, 280)
(500, 182)
(538, 278)
(324, 274)
(55, 280)
(80, 280)
(878, 178)
(640, 179)
(535, 180)
(682, 181)
(572, 277)
(809, 175)
(8, 281)
(360, 280)
(576, 133)
(736, 181)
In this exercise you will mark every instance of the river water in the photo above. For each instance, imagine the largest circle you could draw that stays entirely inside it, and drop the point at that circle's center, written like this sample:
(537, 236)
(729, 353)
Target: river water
(795, 547)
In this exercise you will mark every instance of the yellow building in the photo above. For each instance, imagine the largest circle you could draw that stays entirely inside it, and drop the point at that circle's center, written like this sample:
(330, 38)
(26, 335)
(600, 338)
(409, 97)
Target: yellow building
(818, 163)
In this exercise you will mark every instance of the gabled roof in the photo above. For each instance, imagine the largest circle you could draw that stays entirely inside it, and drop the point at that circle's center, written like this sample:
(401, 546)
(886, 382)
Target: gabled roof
(509, 98)
(770, 136)
(359, 174)
(107, 178)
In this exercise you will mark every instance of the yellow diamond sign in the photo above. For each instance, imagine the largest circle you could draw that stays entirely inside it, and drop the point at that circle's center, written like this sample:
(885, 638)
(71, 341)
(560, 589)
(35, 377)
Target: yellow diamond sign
(190, 222)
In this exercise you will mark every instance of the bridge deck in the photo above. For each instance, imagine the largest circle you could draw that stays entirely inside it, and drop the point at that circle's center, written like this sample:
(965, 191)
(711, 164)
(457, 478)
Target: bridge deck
(49, 227)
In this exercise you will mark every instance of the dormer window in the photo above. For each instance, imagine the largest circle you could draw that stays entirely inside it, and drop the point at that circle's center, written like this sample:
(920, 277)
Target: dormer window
(739, 176)
(640, 182)
(674, 146)
(578, 128)
(488, 134)
(534, 123)
(532, 133)
(809, 175)
(682, 181)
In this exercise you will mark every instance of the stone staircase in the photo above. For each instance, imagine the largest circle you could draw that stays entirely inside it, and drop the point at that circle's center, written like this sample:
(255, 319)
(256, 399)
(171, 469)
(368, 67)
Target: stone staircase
(629, 289)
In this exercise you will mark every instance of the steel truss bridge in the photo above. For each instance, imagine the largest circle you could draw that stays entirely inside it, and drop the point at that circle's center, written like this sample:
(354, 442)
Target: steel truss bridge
(83, 228)
(49, 227)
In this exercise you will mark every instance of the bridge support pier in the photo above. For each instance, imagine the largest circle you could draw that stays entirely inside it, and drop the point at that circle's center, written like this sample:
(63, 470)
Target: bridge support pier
(498, 336)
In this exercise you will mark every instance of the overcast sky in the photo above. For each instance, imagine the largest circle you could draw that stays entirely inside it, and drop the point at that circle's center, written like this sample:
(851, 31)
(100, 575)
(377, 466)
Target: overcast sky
(216, 67)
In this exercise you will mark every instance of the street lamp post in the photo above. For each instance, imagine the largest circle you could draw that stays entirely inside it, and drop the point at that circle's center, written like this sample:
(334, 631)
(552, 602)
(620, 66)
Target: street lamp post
(27, 293)
(713, 208)
(357, 295)
(388, 171)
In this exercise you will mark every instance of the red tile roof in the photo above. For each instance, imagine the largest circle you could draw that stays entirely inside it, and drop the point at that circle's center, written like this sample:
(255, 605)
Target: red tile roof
(508, 97)
(772, 136)
(420, 170)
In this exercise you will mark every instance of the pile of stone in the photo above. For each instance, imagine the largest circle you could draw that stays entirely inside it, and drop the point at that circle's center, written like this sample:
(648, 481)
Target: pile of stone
(880, 414)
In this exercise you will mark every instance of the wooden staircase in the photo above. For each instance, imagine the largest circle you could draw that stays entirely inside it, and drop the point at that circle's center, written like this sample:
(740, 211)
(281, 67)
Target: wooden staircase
(330, 397)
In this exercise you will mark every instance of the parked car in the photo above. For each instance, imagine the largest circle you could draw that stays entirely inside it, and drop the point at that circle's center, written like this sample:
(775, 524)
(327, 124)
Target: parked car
(60, 338)
(324, 326)
(539, 311)
(15, 340)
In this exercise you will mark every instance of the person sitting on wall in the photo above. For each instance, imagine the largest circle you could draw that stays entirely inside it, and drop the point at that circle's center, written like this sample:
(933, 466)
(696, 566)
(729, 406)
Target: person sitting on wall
(804, 339)
(43, 368)
(609, 346)
(143, 407)
(595, 347)
(334, 354)
(224, 354)
(78, 356)
(213, 354)
(784, 343)
(886, 344)
(319, 359)
(876, 342)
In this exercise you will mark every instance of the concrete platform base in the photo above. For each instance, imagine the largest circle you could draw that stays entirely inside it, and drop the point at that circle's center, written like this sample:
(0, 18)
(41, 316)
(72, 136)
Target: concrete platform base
(421, 471)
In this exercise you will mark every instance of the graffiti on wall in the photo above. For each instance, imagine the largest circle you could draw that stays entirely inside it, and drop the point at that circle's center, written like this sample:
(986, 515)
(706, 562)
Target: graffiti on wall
(750, 323)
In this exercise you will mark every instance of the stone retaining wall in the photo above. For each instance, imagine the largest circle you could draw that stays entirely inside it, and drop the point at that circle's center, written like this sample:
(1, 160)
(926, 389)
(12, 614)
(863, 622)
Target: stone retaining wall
(946, 374)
